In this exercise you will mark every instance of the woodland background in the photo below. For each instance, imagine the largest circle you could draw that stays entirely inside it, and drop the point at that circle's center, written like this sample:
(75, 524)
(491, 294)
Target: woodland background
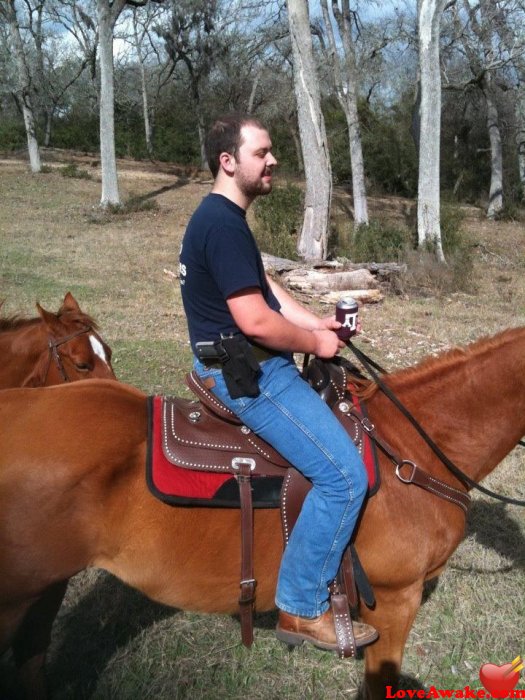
(179, 63)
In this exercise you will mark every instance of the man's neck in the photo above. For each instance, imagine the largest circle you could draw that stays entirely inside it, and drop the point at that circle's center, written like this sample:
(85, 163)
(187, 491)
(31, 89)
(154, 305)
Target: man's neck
(227, 188)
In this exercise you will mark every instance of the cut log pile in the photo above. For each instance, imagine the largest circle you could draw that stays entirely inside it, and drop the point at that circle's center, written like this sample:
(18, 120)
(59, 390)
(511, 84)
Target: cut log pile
(329, 281)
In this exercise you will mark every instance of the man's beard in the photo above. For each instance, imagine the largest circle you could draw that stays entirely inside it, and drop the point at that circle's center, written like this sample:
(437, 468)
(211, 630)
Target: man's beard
(252, 188)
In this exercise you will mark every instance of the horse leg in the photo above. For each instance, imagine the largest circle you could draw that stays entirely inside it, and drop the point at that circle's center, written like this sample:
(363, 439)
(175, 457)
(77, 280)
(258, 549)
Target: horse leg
(393, 617)
(32, 638)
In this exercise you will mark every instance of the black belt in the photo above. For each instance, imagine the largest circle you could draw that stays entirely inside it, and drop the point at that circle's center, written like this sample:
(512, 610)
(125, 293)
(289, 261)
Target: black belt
(261, 355)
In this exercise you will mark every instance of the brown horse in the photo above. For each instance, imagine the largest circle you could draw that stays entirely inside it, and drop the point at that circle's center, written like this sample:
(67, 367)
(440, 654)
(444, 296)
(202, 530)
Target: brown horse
(52, 348)
(72, 461)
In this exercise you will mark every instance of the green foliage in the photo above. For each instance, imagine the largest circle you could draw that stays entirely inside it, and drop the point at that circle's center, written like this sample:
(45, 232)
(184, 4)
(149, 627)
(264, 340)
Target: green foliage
(78, 132)
(379, 242)
(136, 204)
(388, 148)
(12, 134)
(389, 151)
(72, 170)
(283, 146)
(278, 219)
(451, 219)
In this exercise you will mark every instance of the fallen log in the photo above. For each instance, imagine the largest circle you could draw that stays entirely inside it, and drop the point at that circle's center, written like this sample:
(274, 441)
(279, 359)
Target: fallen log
(281, 265)
(317, 281)
(363, 296)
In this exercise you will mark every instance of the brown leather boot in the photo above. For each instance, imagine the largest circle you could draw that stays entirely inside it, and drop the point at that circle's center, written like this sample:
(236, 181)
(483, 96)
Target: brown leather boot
(319, 631)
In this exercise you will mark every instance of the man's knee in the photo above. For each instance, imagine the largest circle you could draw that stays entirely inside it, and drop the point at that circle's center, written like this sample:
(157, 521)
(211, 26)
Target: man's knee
(350, 482)
(359, 478)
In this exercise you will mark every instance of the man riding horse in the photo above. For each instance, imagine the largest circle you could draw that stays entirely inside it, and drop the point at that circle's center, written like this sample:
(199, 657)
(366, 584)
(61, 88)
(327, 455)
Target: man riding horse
(243, 330)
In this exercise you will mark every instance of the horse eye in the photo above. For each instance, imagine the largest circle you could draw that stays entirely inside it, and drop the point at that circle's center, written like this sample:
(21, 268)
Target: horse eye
(83, 367)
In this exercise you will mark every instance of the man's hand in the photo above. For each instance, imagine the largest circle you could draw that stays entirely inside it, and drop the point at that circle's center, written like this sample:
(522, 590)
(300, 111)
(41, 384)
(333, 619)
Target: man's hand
(327, 343)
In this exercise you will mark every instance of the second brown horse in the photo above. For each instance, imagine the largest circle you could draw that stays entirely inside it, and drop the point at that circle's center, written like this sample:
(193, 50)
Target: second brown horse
(52, 348)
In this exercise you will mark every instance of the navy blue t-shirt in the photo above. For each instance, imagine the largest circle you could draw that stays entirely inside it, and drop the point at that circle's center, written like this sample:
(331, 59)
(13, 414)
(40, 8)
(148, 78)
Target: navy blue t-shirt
(219, 256)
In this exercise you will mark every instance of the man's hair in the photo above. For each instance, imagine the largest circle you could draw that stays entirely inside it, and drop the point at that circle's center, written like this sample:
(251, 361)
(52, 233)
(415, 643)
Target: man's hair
(225, 137)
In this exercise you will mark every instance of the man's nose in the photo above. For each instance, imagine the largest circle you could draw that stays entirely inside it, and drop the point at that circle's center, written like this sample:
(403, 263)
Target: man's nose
(271, 160)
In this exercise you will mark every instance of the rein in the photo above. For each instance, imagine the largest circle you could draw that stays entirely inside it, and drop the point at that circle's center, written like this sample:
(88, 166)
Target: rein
(458, 473)
(53, 346)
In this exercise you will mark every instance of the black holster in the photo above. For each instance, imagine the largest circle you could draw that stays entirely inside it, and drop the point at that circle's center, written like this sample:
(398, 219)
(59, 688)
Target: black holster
(241, 369)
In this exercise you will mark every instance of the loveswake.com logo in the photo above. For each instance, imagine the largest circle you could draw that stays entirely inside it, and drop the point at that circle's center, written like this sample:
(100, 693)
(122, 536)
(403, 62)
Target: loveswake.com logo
(498, 682)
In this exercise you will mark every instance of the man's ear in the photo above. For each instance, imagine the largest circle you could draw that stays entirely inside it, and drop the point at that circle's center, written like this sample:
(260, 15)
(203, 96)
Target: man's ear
(227, 162)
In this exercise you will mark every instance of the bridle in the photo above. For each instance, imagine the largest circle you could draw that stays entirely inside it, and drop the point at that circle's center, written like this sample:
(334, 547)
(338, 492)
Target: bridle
(53, 344)
(370, 366)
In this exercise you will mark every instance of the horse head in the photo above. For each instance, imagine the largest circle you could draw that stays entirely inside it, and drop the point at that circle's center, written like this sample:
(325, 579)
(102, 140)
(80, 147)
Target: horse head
(75, 350)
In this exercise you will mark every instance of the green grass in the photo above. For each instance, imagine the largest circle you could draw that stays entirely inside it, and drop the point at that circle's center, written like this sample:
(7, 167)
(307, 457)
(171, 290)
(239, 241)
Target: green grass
(156, 366)
(111, 642)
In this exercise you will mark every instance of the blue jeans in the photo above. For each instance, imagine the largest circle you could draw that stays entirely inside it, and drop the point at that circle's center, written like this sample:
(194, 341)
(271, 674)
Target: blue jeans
(290, 416)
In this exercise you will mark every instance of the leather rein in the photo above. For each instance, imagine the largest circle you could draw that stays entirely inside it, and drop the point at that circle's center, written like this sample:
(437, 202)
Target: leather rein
(53, 344)
(369, 365)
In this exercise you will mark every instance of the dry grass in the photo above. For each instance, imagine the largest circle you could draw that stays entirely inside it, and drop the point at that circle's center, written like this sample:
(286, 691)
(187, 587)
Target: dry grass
(109, 642)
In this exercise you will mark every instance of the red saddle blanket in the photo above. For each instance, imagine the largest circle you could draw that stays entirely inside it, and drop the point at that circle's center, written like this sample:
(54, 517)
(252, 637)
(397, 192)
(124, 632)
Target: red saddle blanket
(179, 485)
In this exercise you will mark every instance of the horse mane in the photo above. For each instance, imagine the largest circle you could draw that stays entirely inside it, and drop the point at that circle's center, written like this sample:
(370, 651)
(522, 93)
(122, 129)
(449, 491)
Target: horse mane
(434, 367)
(15, 322)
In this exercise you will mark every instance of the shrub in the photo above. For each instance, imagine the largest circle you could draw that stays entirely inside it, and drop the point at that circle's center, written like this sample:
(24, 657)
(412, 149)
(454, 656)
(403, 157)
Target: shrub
(379, 242)
(135, 204)
(383, 242)
(451, 219)
(278, 219)
(512, 211)
(426, 275)
(72, 170)
(12, 134)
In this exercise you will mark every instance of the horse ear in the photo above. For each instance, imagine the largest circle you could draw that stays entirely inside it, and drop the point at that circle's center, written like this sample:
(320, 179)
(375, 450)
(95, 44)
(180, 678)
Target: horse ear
(49, 318)
(70, 303)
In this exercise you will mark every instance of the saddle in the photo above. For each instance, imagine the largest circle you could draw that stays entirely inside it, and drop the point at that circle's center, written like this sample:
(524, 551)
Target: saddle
(205, 436)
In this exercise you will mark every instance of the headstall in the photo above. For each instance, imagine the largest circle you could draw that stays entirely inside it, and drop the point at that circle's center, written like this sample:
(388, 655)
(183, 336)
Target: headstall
(53, 345)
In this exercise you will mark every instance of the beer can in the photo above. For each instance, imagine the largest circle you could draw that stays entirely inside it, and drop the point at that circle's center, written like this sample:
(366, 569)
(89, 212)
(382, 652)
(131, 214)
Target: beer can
(346, 313)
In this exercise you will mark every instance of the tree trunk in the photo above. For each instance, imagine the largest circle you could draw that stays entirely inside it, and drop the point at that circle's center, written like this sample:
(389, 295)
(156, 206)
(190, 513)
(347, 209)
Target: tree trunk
(345, 82)
(496, 153)
(202, 140)
(48, 125)
(107, 16)
(24, 85)
(298, 150)
(145, 106)
(313, 239)
(520, 135)
(357, 162)
(428, 221)
(253, 92)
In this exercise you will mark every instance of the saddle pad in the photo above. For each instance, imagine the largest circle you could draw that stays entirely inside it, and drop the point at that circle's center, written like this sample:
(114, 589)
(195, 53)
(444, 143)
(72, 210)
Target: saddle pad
(191, 487)
(188, 487)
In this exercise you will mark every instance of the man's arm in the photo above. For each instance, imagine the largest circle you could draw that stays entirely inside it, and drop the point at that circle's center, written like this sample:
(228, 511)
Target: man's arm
(298, 314)
(266, 327)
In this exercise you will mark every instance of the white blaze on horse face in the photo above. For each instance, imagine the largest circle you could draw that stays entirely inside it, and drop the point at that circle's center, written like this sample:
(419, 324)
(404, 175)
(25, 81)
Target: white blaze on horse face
(98, 349)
